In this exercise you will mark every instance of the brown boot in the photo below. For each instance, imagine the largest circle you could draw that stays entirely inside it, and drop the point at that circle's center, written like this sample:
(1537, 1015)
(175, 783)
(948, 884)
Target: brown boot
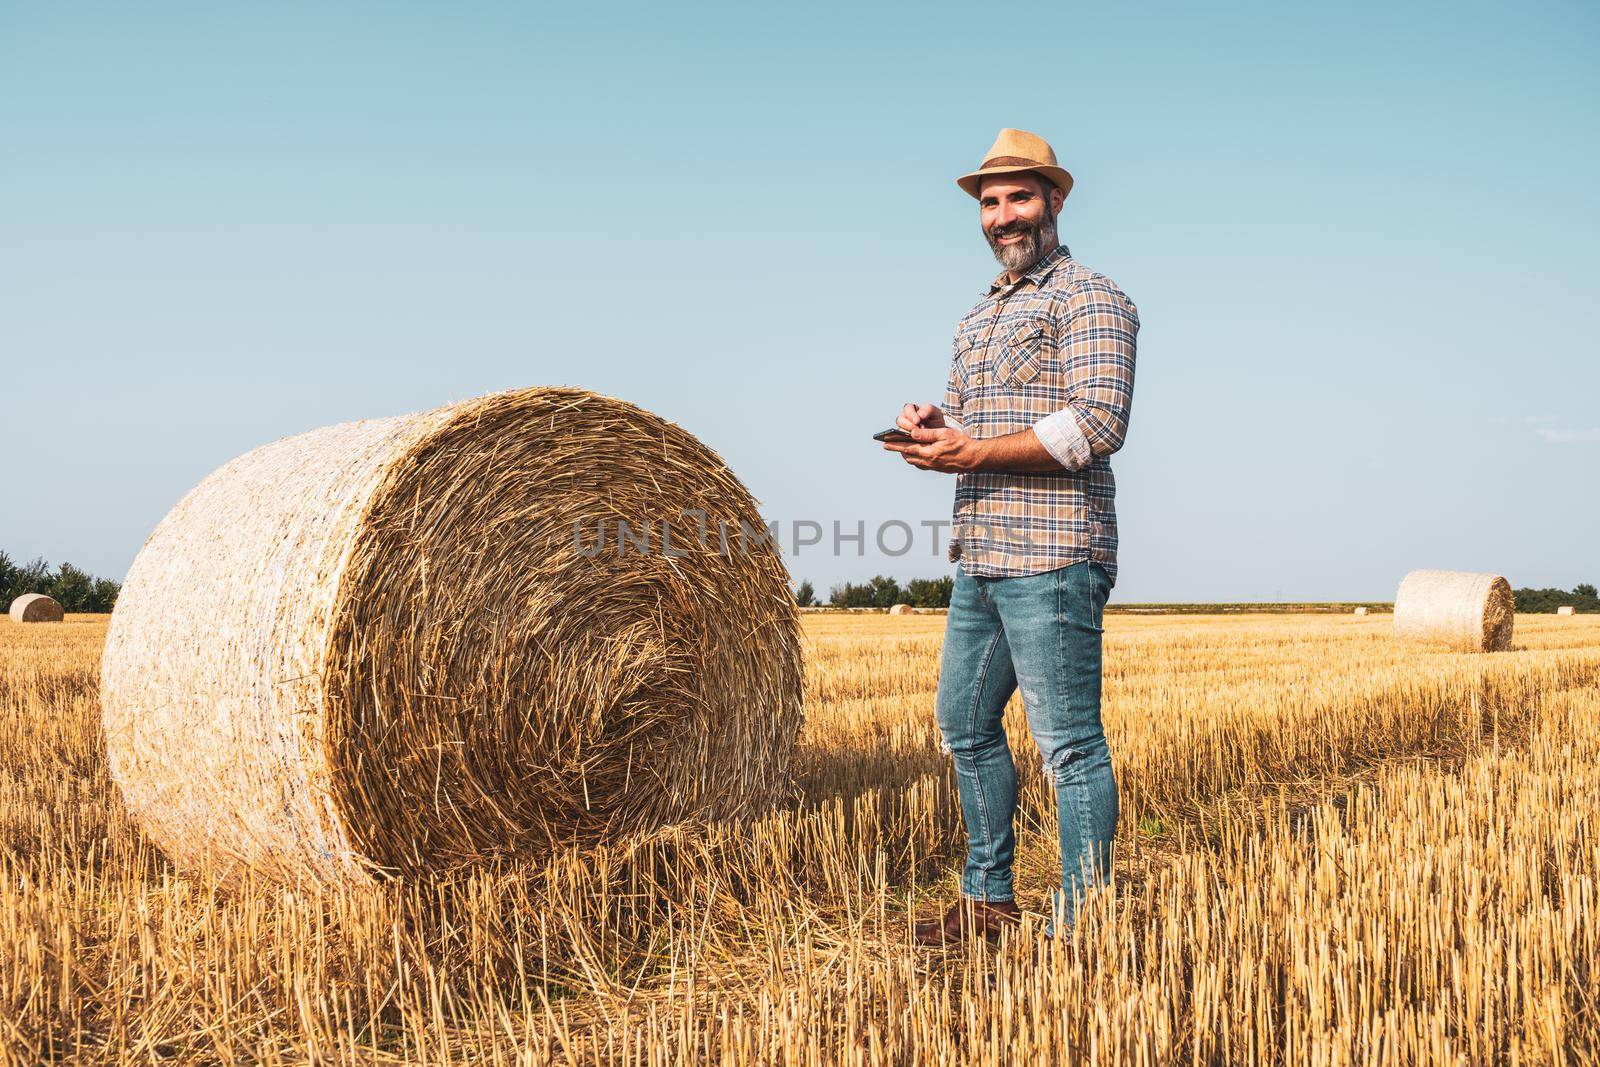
(968, 919)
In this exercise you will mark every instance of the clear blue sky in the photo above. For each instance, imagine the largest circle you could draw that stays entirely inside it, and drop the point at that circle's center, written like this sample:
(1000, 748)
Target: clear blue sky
(1362, 239)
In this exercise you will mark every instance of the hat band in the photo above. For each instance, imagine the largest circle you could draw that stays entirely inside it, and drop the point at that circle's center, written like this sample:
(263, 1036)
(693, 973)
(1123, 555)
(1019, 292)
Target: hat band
(1010, 161)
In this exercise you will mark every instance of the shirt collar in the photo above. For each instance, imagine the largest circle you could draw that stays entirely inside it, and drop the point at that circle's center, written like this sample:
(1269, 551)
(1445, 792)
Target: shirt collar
(1038, 272)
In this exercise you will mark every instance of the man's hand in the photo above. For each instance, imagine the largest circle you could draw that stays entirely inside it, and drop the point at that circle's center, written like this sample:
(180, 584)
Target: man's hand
(920, 416)
(939, 449)
(937, 446)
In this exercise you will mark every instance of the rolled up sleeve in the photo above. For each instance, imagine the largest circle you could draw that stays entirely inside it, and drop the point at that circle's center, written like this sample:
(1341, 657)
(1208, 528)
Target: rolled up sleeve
(1097, 349)
(1063, 438)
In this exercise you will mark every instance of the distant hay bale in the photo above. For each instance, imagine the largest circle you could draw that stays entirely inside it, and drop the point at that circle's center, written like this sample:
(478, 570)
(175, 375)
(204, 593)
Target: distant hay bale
(403, 643)
(1361, 610)
(1564, 609)
(900, 609)
(36, 607)
(1472, 612)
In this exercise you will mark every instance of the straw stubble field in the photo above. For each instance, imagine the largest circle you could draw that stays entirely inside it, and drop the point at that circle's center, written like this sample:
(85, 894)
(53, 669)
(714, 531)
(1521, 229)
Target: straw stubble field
(1334, 849)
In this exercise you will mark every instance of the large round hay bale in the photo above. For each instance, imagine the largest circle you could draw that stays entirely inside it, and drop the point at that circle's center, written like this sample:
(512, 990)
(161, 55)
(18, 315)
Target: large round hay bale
(1473, 612)
(36, 607)
(403, 643)
(1564, 609)
(900, 609)
(1361, 610)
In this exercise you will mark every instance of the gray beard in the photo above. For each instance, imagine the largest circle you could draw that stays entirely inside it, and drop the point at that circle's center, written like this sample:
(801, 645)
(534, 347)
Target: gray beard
(1037, 241)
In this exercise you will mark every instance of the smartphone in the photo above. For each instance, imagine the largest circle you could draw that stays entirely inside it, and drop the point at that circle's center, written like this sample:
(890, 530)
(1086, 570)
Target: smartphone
(894, 434)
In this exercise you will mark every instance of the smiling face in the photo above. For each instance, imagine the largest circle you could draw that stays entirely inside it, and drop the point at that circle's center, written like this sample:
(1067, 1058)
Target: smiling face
(1018, 214)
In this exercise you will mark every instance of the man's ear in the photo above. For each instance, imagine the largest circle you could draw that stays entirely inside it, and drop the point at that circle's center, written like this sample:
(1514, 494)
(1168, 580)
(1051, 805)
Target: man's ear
(1057, 198)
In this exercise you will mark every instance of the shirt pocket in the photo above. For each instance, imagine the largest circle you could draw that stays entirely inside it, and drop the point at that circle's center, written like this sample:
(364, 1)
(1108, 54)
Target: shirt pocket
(1027, 351)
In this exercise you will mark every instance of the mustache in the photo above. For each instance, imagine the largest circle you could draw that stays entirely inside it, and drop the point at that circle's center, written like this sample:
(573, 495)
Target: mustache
(1012, 228)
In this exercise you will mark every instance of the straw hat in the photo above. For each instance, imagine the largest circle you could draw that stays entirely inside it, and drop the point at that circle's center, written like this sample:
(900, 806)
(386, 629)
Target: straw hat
(1014, 152)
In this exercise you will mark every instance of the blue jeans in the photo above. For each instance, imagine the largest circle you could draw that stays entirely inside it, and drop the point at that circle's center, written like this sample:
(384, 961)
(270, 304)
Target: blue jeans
(1040, 632)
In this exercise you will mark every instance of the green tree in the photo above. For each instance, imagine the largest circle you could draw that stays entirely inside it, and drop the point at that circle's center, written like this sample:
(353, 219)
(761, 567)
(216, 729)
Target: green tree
(930, 592)
(880, 592)
(71, 588)
(885, 592)
(34, 577)
(805, 596)
(1584, 589)
(104, 596)
(10, 575)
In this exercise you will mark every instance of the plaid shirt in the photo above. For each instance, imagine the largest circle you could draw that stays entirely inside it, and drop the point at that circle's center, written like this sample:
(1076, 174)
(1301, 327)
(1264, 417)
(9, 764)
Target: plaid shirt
(1054, 352)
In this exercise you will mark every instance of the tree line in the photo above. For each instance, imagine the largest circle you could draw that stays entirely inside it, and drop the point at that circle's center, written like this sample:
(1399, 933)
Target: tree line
(885, 592)
(1582, 599)
(882, 592)
(73, 589)
(77, 590)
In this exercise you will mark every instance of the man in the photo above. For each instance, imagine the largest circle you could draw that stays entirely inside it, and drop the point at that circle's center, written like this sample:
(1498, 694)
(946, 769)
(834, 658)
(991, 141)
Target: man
(1037, 401)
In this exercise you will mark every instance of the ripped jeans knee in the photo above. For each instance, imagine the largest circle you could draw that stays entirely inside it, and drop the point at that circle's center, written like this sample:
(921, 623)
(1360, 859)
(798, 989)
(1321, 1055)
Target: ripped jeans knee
(1072, 763)
(1055, 770)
